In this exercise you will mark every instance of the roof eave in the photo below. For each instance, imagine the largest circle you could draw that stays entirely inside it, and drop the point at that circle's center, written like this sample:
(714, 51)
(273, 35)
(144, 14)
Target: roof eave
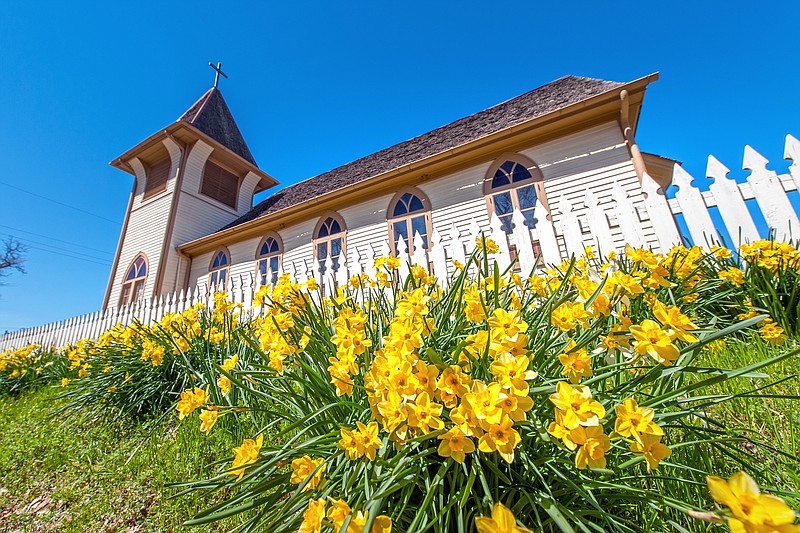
(266, 181)
(632, 87)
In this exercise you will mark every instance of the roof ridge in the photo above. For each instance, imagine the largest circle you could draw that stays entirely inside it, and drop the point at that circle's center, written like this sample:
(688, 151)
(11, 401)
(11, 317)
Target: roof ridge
(211, 115)
(555, 95)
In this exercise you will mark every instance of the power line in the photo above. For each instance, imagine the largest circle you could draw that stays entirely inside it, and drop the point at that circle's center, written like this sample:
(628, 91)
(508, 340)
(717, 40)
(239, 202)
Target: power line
(55, 239)
(51, 248)
(61, 203)
(104, 263)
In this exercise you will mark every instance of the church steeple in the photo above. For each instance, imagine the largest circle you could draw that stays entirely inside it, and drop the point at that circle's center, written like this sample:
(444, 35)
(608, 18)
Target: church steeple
(211, 115)
(192, 178)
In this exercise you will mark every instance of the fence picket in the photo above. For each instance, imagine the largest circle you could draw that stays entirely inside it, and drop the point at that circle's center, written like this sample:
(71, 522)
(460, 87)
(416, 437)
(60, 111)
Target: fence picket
(771, 197)
(730, 203)
(523, 242)
(627, 218)
(546, 234)
(660, 215)
(598, 223)
(693, 206)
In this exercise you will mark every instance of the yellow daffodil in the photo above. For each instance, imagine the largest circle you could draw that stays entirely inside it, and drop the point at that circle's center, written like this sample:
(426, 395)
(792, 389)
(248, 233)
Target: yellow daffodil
(634, 421)
(502, 521)
(751, 510)
(313, 516)
(652, 449)
(208, 417)
(455, 444)
(303, 468)
(244, 455)
(651, 340)
(576, 364)
(577, 406)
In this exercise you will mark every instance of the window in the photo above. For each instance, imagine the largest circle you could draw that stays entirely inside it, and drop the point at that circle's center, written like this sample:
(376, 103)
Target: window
(157, 176)
(409, 214)
(514, 182)
(268, 258)
(218, 273)
(329, 242)
(133, 286)
(220, 184)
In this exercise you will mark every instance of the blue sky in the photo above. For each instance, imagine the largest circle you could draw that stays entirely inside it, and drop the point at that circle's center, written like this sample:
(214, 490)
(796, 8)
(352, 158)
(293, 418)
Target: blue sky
(314, 85)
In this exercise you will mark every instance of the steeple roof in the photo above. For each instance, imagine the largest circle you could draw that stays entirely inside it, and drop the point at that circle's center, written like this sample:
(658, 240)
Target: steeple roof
(211, 115)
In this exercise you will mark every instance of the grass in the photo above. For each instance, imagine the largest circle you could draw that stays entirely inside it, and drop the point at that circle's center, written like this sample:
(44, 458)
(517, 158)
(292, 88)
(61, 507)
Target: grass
(78, 475)
(771, 416)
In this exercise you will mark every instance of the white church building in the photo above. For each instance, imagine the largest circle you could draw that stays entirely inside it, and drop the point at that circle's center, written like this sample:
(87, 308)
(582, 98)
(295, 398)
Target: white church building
(191, 221)
(544, 174)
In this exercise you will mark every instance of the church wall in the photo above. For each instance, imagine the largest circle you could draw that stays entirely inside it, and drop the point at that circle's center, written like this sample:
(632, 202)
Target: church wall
(147, 224)
(197, 216)
(146, 227)
(596, 158)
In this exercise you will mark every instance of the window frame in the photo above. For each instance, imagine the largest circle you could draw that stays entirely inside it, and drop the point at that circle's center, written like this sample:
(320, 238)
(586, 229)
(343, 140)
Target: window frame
(149, 190)
(267, 256)
(316, 241)
(391, 219)
(216, 270)
(225, 168)
(132, 284)
(536, 180)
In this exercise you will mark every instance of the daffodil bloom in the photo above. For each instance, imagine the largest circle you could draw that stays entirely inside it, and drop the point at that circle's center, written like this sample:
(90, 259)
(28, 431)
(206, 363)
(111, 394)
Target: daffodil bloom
(629, 285)
(593, 446)
(567, 316)
(363, 441)
(191, 400)
(672, 318)
(473, 305)
(515, 406)
(455, 444)
(338, 513)
(500, 438)
(772, 332)
(651, 340)
(576, 364)
(313, 516)
(424, 414)
(652, 449)
(502, 521)
(484, 400)
(752, 511)
(634, 421)
(245, 454)
(208, 417)
(560, 431)
(506, 325)
(577, 406)
(303, 468)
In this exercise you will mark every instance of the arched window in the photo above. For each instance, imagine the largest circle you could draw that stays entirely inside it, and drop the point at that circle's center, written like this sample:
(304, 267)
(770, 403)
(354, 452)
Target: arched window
(133, 286)
(329, 242)
(218, 272)
(514, 182)
(409, 213)
(268, 257)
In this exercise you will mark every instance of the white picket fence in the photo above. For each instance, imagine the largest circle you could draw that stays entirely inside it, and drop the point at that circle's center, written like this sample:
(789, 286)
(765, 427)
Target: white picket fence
(573, 230)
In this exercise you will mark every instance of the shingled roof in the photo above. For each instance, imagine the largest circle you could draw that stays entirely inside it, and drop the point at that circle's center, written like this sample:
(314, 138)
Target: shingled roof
(210, 114)
(546, 99)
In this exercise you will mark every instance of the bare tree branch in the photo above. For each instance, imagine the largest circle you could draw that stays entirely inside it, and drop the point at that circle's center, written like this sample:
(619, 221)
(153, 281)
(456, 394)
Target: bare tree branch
(12, 256)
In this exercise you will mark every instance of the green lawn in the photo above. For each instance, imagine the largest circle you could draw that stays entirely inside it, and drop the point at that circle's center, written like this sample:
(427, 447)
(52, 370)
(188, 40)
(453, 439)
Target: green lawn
(79, 475)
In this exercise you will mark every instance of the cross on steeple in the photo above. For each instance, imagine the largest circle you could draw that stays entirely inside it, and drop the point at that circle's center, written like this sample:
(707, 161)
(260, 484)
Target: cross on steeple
(218, 69)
